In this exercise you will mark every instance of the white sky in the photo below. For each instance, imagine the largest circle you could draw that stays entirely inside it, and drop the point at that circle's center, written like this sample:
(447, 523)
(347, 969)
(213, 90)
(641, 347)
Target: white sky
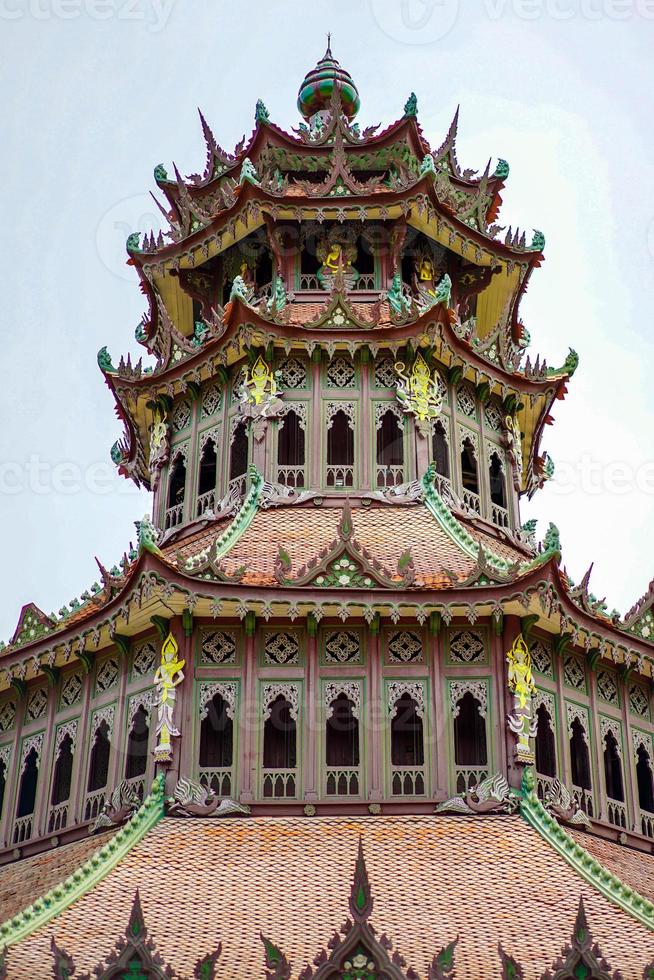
(97, 92)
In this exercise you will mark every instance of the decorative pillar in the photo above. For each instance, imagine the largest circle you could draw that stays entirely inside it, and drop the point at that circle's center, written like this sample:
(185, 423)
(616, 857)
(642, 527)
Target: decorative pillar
(311, 714)
(502, 739)
(46, 762)
(563, 748)
(184, 760)
(80, 774)
(595, 749)
(629, 776)
(377, 712)
(314, 451)
(441, 716)
(366, 426)
(14, 772)
(518, 686)
(169, 675)
(250, 716)
(117, 755)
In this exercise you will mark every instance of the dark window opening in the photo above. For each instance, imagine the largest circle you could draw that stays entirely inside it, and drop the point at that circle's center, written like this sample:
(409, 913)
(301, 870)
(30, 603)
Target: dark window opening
(197, 311)
(497, 484)
(3, 786)
(644, 777)
(407, 742)
(579, 757)
(390, 444)
(238, 454)
(27, 787)
(365, 260)
(469, 467)
(63, 772)
(545, 744)
(469, 733)
(440, 451)
(309, 261)
(208, 463)
(290, 443)
(99, 762)
(342, 735)
(264, 269)
(216, 736)
(177, 482)
(137, 745)
(279, 737)
(613, 769)
(340, 451)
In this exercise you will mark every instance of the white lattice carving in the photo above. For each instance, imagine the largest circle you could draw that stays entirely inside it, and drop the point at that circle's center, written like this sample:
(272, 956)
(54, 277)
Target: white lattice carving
(466, 403)
(292, 373)
(107, 674)
(412, 689)
(69, 729)
(467, 646)
(211, 401)
(32, 742)
(351, 690)
(494, 450)
(478, 689)
(607, 686)
(332, 408)
(544, 699)
(227, 691)
(342, 647)
(5, 757)
(290, 692)
(340, 372)
(37, 703)
(179, 452)
(218, 647)
(466, 434)
(181, 416)
(106, 715)
(144, 658)
(574, 674)
(281, 647)
(143, 700)
(209, 435)
(493, 416)
(644, 740)
(300, 409)
(541, 658)
(71, 689)
(638, 700)
(404, 646)
(381, 408)
(576, 712)
(385, 376)
(615, 728)
(7, 715)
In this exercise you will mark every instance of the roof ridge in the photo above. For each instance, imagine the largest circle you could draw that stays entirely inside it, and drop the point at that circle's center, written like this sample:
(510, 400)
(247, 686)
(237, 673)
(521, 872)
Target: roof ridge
(586, 866)
(97, 867)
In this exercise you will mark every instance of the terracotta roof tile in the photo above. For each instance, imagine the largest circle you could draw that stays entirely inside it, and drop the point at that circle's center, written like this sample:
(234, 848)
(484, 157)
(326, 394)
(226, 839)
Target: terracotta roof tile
(485, 879)
(634, 868)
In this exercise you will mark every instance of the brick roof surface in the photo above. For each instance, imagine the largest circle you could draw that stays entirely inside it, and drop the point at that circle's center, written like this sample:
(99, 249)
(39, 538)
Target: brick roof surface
(386, 532)
(485, 879)
(633, 867)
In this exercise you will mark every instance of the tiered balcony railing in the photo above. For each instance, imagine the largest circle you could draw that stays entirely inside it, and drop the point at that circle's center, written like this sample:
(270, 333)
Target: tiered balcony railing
(617, 813)
(499, 516)
(137, 783)
(647, 824)
(408, 780)
(472, 501)
(218, 780)
(340, 476)
(58, 817)
(206, 502)
(23, 828)
(585, 800)
(342, 782)
(237, 486)
(279, 784)
(390, 476)
(309, 283)
(467, 777)
(93, 804)
(173, 516)
(543, 785)
(291, 476)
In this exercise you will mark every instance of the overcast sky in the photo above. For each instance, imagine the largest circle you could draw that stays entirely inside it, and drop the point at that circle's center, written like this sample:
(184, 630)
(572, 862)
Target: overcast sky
(97, 92)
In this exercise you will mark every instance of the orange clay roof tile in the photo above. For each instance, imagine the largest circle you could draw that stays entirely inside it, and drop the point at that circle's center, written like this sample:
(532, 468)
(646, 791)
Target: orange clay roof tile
(483, 879)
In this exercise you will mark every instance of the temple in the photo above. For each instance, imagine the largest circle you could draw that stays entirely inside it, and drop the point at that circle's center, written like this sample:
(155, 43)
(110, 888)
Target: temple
(337, 712)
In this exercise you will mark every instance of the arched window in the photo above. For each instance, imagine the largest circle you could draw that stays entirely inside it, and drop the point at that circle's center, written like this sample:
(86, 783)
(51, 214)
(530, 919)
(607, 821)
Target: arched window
(27, 786)
(207, 471)
(3, 785)
(644, 777)
(340, 451)
(407, 748)
(238, 453)
(176, 490)
(290, 451)
(545, 744)
(216, 736)
(579, 757)
(497, 482)
(63, 772)
(440, 451)
(99, 760)
(279, 749)
(469, 733)
(613, 768)
(390, 450)
(342, 748)
(136, 762)
(469, 476)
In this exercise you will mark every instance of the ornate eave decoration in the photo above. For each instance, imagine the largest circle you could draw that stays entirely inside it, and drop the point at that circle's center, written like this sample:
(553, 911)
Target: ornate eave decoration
(191, 799)
(345, 564)
(560, 802)
(492, 795)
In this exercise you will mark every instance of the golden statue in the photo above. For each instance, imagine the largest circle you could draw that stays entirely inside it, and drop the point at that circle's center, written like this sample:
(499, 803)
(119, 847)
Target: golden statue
(418, 392)
(426, 270)
(334, 257)
(522, 686)
(169, 675)
(259, 383)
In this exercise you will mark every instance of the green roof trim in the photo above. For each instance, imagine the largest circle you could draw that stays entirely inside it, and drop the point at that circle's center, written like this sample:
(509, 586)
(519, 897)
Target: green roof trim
(456, 531)
(239, 525)
(98, 866)
(588, 867)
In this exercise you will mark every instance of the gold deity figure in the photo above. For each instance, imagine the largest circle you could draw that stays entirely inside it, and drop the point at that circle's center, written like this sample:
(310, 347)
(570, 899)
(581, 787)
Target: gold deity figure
(259, 383)
(521, 681)
(426, 270)
(168, 676)
(334, 257)
(417, 391)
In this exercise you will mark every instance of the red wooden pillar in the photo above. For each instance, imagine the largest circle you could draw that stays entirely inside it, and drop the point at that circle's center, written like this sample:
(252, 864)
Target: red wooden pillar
(311, 714)
(377, 713)
(188, 723)
(441, 716)
(503, 700)
(249, 716)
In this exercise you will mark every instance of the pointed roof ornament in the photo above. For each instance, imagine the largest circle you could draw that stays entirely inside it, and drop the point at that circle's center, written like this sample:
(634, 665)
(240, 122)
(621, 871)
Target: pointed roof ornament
(316, 90)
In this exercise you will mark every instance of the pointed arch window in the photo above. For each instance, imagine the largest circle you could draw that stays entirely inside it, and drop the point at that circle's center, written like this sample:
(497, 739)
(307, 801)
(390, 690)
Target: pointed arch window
(469, 472)
(340, 450)
(407, 748)
(279, 749)
(3, 785)
(207, 474)
(390, 450)
(63, 772)
(497, 481)
(342, 748)
(545, 744)
(470, 746)
(613, 768)
(99, 759)
(644, 779)
(238, 454)
(440, 451)
(291, 450)
(176, 492)
(26, 797)
(579, 756)
(136, 762)
(217, 747)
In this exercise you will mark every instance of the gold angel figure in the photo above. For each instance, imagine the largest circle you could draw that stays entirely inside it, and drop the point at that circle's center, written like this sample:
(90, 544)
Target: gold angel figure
(168, 676)
(418, 392)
